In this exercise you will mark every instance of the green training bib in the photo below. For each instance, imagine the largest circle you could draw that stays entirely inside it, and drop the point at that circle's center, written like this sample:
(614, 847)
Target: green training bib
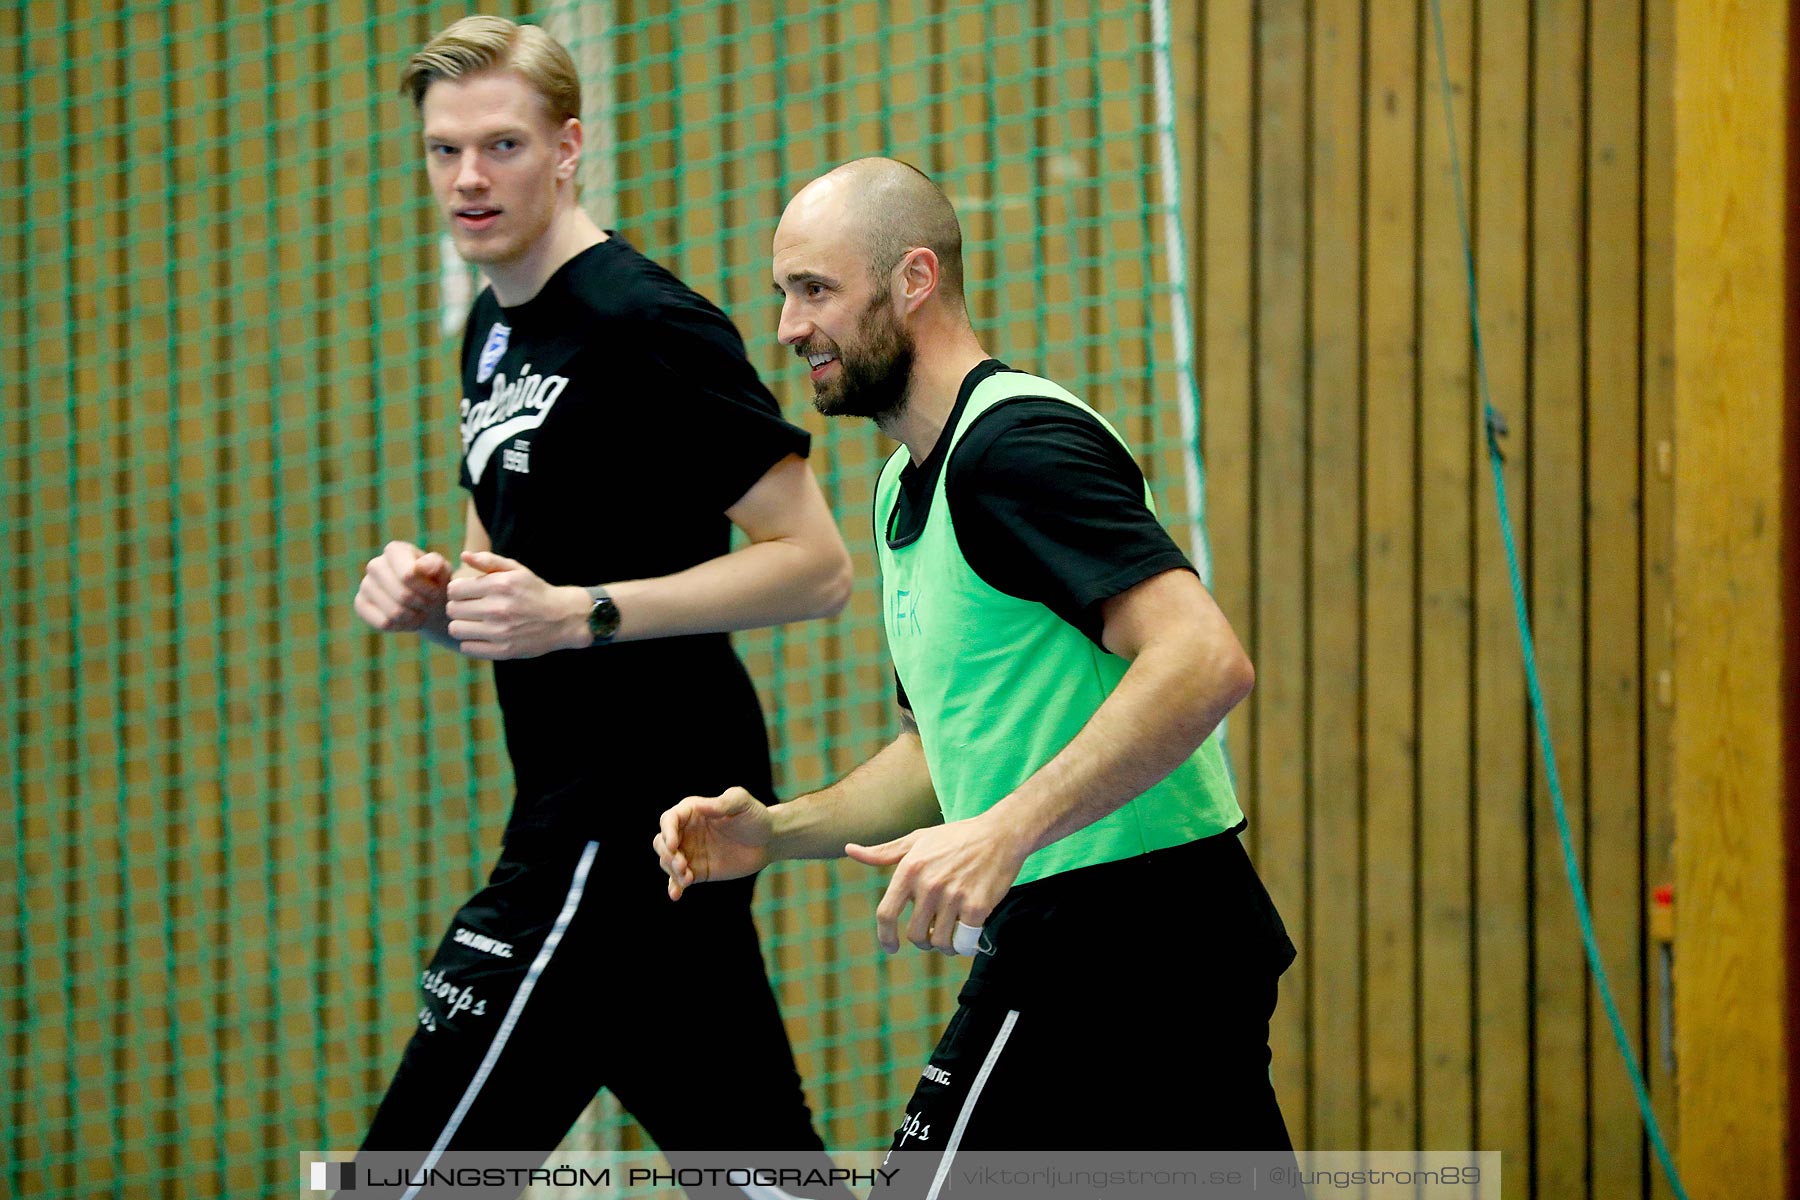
(1000, 685)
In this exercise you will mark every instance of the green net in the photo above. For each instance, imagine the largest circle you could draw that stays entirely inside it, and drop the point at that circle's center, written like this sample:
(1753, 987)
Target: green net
(237, 820)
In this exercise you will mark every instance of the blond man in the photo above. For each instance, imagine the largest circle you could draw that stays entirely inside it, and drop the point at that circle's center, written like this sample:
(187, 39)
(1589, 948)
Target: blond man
(613, 433)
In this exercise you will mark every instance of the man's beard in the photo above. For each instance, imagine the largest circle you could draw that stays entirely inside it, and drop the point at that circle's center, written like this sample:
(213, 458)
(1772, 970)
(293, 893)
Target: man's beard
(872, 380)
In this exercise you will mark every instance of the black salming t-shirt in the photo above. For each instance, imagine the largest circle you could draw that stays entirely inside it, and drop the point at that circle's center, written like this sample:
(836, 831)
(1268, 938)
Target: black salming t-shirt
(607, 424)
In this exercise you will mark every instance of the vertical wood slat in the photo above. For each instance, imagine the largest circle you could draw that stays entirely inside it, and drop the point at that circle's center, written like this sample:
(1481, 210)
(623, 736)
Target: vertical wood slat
(24, 1144)
(223, 1003)
(133, 372)
(1395, 98)
(192, 806)
(963, 114)
(1056, 214)
(396, 751)
(1078, 105)
(336, 343)
(32, 667)
(1277, 451)
(74, 1102)
(1556, 573)
(1615, 695)
(1224, 165)
(700, 103)
(420, 807)
(1012, 311)
(265, 959)
(1498, 175)
(1445, 505)
(58, 1093)
(83, 1112)
(1121, 311)
(415, 798)
(1333, 591)
(1657, 459)
(350, 445)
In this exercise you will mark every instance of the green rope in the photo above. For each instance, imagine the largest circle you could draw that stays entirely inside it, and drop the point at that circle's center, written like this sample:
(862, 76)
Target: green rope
(1495, 429)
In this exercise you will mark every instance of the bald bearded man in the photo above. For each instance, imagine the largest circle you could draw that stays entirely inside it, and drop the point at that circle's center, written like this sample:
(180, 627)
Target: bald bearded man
(1057, 801)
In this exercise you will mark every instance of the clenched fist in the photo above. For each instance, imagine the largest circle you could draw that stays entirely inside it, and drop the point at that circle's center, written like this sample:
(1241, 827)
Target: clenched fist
(402, 588)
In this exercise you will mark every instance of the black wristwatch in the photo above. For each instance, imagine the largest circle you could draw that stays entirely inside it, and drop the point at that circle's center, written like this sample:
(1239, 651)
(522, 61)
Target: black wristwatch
(603, 618)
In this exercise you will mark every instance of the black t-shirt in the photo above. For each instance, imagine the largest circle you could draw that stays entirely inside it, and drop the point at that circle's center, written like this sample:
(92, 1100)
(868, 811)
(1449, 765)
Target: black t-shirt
(607, 424)
(1048, 506)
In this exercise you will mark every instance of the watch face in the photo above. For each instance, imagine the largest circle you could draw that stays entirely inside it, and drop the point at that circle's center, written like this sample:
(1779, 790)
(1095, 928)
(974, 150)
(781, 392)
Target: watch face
(603, 617)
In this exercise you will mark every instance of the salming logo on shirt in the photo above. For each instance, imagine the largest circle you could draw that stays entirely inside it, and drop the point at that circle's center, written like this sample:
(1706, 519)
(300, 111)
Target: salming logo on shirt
(514, 406)
(464, 936)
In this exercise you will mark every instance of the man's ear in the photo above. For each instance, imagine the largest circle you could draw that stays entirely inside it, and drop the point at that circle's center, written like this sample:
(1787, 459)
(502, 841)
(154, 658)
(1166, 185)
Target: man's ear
(568, 148)
(916, 278)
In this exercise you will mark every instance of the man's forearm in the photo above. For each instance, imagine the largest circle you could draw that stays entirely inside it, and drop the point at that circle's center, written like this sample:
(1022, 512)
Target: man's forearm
(885, 798)
(1164, 707)
(763, 583)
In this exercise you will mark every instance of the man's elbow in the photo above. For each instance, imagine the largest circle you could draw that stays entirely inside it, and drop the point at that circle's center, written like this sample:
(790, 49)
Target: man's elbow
(1240, 678)
(837, 578)
(1221, 668)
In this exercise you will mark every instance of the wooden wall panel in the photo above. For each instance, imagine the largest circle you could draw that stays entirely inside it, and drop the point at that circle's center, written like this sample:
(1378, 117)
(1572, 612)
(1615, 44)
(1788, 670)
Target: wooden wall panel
(1732, 218)
(1477, 1022)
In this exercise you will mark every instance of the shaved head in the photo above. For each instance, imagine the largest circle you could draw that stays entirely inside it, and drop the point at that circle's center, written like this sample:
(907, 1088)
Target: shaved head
(889, 207)
(868, 261)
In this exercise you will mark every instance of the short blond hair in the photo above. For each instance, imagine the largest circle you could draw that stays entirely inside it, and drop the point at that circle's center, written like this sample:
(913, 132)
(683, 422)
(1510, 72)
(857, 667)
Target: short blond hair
(477, 44)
